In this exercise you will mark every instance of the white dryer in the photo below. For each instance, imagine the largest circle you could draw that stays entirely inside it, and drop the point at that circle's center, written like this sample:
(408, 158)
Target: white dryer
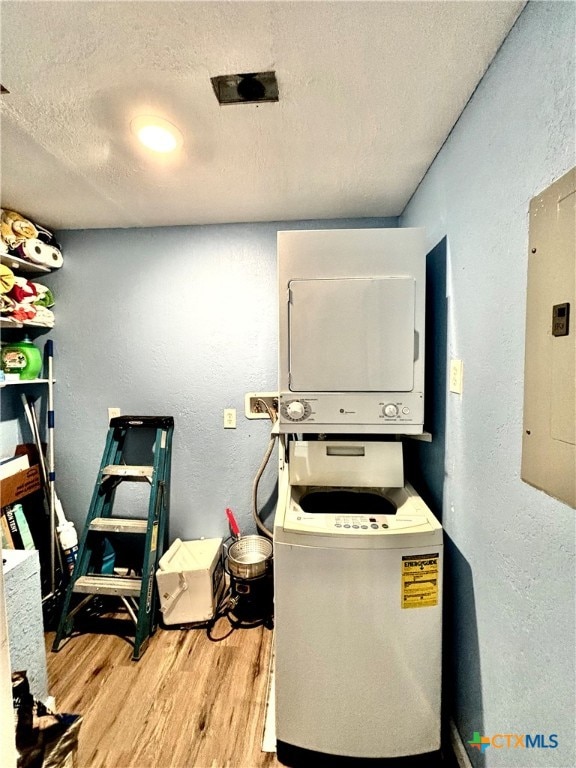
(358, 605)
(352, 331)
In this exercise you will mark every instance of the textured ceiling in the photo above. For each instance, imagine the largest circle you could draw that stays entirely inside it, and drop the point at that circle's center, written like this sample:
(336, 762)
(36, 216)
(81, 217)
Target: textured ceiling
(368, 93)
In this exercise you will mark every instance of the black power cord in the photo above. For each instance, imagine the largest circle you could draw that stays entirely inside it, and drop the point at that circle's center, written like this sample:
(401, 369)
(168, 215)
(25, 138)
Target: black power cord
(225, 609)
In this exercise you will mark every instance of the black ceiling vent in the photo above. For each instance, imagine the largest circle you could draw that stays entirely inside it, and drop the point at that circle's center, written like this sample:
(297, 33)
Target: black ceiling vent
(246, 88)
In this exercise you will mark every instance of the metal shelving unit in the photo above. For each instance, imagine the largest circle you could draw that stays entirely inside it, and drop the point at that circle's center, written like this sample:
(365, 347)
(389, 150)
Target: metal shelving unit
(23, 382)
(30, 269)
(26, 267)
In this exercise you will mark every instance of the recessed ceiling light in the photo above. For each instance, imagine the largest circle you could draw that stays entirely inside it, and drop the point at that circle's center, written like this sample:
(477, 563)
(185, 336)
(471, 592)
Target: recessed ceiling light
(156, 133)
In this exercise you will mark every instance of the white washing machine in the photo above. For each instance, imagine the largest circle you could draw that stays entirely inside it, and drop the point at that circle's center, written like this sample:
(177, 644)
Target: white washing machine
(358, 607)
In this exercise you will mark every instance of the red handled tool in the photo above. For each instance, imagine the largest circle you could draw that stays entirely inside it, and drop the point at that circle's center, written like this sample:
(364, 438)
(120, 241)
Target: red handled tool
(233, 524)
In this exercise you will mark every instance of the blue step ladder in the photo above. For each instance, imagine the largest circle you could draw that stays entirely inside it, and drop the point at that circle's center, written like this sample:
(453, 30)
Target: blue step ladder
(145, 539)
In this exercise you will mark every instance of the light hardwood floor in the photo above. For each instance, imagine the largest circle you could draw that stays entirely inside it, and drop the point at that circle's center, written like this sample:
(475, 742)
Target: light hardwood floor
(188, 702)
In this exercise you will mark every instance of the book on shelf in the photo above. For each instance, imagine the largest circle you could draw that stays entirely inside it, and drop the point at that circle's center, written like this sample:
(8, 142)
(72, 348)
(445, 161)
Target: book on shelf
(18, 527)
(7, 541)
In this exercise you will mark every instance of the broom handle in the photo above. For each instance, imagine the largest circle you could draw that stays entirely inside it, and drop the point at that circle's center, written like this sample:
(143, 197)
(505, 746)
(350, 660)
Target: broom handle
(36, 437)
(51, 471)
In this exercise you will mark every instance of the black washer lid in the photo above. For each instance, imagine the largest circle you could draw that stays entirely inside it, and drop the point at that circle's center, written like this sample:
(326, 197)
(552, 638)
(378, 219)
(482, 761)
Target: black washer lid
(342, 501)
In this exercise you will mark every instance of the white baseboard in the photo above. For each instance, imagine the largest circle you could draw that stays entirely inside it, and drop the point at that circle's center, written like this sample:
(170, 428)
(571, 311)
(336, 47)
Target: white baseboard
(269, 736)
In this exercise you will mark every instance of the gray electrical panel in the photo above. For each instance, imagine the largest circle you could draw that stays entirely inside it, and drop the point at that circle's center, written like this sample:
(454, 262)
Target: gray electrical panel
(549, 439)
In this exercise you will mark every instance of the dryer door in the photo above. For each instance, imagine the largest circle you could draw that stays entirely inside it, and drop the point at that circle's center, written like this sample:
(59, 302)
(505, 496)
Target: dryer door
(352, 334)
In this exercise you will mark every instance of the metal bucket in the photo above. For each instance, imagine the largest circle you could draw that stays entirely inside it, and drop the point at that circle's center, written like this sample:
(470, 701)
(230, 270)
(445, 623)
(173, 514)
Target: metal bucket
(249, 557)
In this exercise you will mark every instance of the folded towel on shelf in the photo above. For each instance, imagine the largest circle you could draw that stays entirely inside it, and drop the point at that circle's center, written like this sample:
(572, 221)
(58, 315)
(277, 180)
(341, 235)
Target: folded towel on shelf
(23, 290)
(28, 314)
(45, 297)
(23, 312)
(6, 279)
(43, 317)
(15, 229)
(27, 240)
(7, 304)
(25, 301)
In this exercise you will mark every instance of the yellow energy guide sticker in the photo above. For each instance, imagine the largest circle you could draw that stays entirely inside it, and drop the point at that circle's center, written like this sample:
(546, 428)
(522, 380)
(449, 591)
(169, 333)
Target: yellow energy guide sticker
(420, 576)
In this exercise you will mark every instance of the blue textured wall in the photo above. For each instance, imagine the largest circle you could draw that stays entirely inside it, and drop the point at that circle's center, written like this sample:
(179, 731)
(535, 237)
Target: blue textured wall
(15, 430)
(179, 321)
(511, 547)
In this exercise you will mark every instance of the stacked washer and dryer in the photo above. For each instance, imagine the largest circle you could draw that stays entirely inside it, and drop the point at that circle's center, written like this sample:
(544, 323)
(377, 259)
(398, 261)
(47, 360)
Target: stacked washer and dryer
(357, 553)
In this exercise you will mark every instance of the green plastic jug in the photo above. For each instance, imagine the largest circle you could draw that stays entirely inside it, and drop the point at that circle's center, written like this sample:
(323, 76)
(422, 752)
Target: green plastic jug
(22, 357)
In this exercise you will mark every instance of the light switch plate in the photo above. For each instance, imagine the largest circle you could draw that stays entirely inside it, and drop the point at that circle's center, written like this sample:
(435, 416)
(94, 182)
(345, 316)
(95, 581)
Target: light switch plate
(456, 374)
(229, 418)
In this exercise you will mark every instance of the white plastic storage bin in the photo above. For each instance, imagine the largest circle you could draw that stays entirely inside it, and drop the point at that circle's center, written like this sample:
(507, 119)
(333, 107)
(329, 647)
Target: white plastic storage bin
(190, 580)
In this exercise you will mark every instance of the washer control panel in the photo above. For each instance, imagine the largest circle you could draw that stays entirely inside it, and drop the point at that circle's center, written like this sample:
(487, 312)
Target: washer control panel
(349, 525)
(360, 522)
(341, 524)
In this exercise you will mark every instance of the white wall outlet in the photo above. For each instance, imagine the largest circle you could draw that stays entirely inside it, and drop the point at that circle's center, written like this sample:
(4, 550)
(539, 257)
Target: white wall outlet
(257, 404)
(229, 418)
(456, 376)
(113, 413)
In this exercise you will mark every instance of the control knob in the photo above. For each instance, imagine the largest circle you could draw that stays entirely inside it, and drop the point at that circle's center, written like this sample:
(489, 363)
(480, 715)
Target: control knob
(296, 410)
(391, 410)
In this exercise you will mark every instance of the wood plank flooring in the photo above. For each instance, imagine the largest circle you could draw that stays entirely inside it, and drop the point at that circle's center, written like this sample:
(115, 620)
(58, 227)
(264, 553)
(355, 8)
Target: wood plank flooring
(188, 702)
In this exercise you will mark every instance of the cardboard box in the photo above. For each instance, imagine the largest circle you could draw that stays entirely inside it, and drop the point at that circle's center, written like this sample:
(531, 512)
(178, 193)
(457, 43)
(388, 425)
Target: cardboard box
(19, 485)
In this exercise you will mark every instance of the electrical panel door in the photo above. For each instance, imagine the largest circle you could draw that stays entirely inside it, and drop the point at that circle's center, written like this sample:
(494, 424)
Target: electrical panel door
(549, 439)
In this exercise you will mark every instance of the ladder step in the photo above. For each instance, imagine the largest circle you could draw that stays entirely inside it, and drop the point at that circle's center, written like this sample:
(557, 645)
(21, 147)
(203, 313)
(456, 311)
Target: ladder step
(126, 470)
(118, 525)
(108, 585)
